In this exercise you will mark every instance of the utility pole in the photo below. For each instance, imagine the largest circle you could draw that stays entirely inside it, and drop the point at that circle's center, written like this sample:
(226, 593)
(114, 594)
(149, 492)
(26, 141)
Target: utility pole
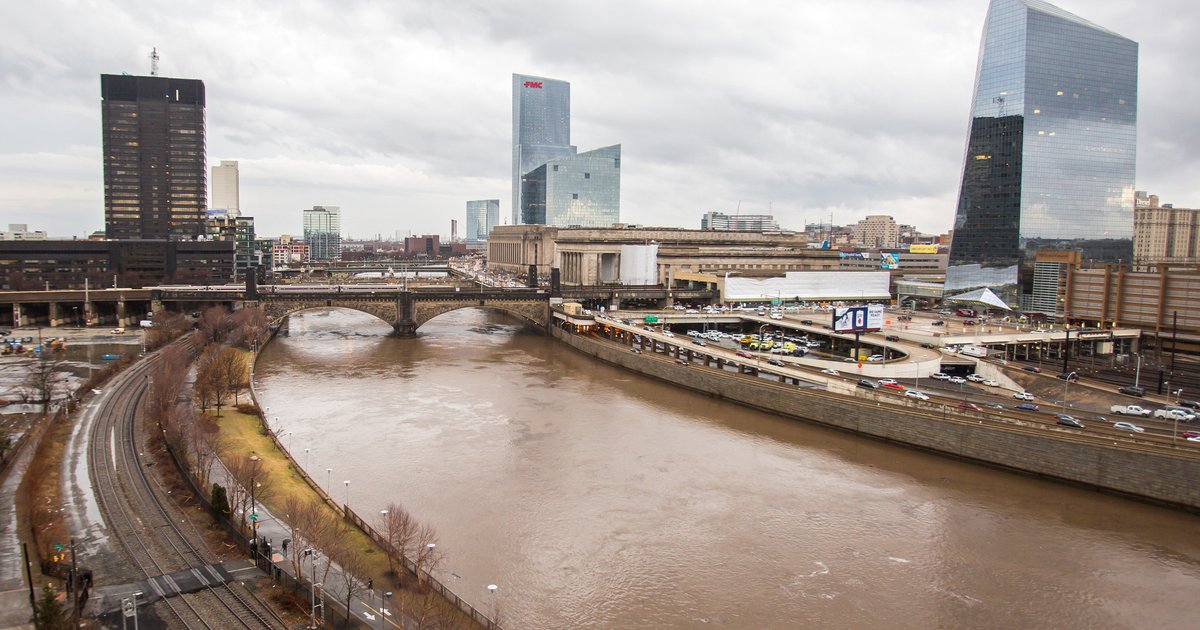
(154, 61)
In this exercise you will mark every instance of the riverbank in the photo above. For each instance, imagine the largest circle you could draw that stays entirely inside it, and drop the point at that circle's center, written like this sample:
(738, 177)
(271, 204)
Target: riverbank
(1162, 478)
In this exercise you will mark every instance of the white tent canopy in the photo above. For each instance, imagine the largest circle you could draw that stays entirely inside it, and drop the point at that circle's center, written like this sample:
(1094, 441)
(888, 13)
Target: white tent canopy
(810, 285)
(982, 297)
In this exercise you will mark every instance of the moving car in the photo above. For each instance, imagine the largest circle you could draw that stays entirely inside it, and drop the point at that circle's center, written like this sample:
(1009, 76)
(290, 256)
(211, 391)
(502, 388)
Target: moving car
(887, 381)
(1067, 421)
(895, 386)
(968, 405)
(744, 355)
(1167, 413)
(699, 342)
(1132, 390)
(875, 358)
(892, 338)
(919, 395)
(1128, 426)
(774, 361)
(831, 372)
(867, 383)
(1190, 404)
(1190, 434)
(941, 376)
(1069, 376)
(1023, 396)
(1027, 407)
(975, 378)
(990, 383)
(958, 380)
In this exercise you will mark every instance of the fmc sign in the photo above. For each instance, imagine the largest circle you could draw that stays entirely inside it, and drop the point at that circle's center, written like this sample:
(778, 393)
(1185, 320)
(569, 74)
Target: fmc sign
(533, 84)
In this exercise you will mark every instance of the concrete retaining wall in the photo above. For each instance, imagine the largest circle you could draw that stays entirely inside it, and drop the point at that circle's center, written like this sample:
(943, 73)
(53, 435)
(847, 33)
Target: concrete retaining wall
(1160, 478)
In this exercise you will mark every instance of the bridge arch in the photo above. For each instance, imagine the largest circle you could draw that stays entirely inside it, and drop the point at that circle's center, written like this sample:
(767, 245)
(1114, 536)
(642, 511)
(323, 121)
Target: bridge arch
(537, 313)
(276, 310)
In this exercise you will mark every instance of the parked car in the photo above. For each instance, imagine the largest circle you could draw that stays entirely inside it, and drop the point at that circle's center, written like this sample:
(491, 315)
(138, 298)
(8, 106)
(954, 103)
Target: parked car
(912, 393)
(941, 376)
(1067, 421)
(1128, 426)
(682, 361)
(1027, 407)
(1132, 390)
(875, 358)
(867, 383)
(1023, 396)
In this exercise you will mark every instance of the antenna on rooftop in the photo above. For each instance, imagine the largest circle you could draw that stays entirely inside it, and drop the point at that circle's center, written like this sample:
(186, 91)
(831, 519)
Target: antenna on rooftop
(154, 61)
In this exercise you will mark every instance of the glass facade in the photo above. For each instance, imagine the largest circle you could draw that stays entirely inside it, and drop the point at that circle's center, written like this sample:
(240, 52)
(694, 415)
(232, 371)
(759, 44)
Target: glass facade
(323, 232)
(541, 128)
(482, 216)
(578, 191)
(1050, 156)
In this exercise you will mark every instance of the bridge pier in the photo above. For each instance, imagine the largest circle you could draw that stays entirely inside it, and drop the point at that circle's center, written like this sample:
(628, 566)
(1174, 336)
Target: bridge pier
(405, 330)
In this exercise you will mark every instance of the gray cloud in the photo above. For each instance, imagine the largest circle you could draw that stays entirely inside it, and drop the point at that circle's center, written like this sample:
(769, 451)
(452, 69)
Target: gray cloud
(400, 111)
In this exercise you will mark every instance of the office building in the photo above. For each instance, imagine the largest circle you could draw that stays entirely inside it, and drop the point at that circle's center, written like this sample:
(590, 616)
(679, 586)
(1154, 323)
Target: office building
(482, 216)
(152, 130)
(226, 188)
(581, 190)
(541, 128)
(1164, 235)
(552, 185)
(738, 222)
(323, 232)
(425, 246)
(20, 232)
(1050, 154)
(70, 264)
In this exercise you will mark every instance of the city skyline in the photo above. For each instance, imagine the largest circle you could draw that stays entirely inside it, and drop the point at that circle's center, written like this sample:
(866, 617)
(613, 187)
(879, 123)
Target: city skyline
(730, 114)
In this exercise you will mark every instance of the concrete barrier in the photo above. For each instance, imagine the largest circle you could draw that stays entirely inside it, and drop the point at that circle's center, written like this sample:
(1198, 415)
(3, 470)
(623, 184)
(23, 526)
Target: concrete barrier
(1158, 477)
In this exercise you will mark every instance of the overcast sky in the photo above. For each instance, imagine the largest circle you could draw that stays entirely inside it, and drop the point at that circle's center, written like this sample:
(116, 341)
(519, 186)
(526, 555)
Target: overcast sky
(400, 111)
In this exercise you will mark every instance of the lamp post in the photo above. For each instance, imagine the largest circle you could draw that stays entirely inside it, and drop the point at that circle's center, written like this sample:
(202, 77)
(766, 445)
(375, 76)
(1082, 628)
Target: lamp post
(383, 611)
(492, 613)
(1137, 375)
(306, 458)
(347, 501)
(328, 479)
(1066, 384)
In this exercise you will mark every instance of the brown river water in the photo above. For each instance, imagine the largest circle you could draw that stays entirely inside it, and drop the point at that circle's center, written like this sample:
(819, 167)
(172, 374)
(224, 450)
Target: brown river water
(595, 498)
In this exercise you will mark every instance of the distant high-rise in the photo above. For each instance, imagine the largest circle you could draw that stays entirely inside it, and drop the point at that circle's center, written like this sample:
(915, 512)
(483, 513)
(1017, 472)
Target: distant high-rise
(738, 222)
(155, 184)
(482, 216)
(323, 232)
(541, 128)
(575, 191)
(1050, 155)
(225, 188)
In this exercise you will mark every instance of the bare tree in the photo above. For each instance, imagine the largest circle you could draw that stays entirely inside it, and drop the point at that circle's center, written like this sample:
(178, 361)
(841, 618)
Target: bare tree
(219, 371)
(428, 557)
(247, 471)
(214, 324)
(166, 383)
(43, 382)
(399, 529)
(165, 327)
(248, 328)
(355, 567)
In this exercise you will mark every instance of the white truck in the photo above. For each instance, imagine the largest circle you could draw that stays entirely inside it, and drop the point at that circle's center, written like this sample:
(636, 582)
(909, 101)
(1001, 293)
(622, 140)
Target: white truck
(980, 352)
(1174, 413)
(1130, 410)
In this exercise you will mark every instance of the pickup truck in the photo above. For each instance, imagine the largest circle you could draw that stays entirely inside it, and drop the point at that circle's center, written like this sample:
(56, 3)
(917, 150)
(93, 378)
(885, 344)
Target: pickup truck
(1130, 410)
(1167, 413)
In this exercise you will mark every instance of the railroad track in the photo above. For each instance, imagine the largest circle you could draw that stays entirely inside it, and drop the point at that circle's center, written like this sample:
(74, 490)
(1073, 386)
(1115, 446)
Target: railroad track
(138, 516)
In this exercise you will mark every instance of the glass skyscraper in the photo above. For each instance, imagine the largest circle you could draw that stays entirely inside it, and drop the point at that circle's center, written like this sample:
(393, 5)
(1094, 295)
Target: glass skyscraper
(482, 216)
(576, 191)
(541, 127)
(323, 232)
(1050, 156)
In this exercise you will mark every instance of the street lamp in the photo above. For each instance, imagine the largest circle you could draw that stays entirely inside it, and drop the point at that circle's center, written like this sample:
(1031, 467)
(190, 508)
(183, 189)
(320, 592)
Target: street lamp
(1066, 384)
(347, 501)
(492, 614)
(328, 479)
(306, 458)
(383, 611)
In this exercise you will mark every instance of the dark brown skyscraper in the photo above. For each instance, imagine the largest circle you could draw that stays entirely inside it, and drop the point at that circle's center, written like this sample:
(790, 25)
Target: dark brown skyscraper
(155, 184)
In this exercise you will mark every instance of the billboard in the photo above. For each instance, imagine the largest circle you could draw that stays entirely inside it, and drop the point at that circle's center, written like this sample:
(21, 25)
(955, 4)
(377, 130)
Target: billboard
(922, 249)
(889, 261)
(858, 318)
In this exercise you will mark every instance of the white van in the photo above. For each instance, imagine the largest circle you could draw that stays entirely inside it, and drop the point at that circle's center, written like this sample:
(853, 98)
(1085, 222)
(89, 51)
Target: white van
(118, 331)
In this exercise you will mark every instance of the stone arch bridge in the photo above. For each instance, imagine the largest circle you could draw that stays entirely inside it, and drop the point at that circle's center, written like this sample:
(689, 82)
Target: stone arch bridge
(406, 310)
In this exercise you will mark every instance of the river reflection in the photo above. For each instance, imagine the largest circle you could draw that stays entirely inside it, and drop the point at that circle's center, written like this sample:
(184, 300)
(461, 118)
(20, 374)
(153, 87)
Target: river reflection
(597, 499)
